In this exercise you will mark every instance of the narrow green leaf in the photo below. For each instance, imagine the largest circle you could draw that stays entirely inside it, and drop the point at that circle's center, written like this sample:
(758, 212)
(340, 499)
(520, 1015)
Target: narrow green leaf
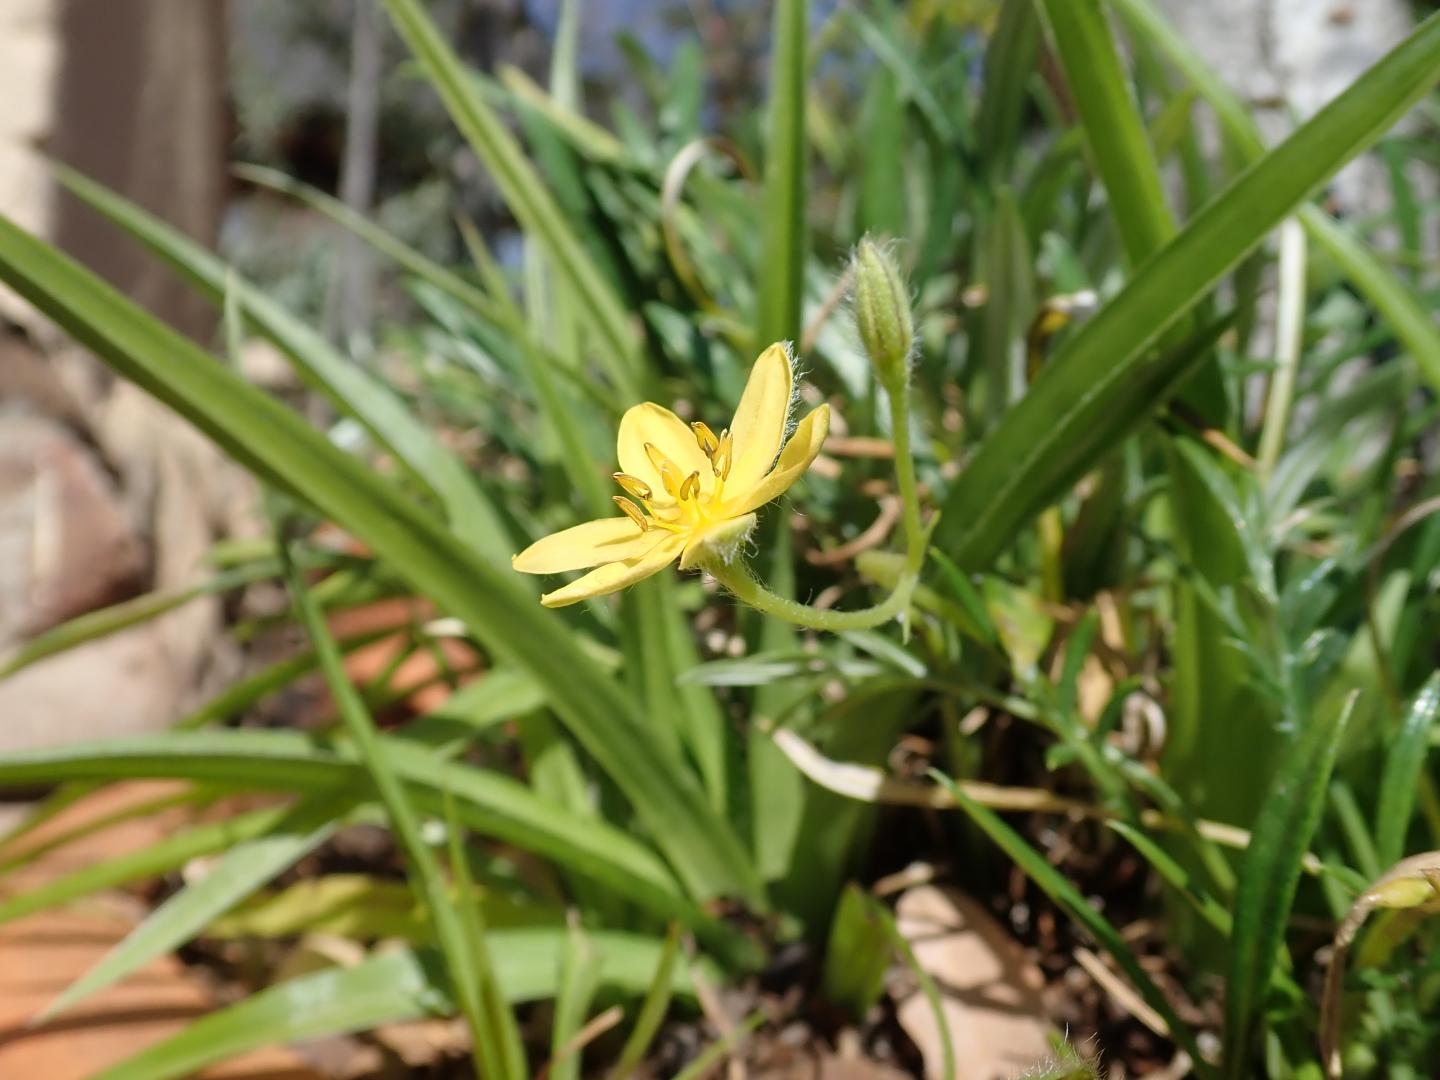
(109, 620)
(239, 873)
(1402, 309)
(857, 955)
(652, 1010)
(500, 1024)
(1078, 432)
(464, 968)
(928, 986)
(160, 857)
(524, 192)
(423, 267)
(280, 449)
(490, 803)
(1009, 64)
(781, 278)
(708, 1058)
(1270, 874)
(390, 987)
(193, 795)
(1018, 469)
(1073, 903)
(1176, 876)
(576, 991)
(352, 389)
(1404, 766)
(881, 152)
(1119, 145)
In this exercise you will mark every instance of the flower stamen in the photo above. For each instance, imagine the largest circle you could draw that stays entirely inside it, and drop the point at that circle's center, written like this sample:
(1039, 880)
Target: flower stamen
(633, 486)
(706, 438)
(724, 452)
(670, 474)
(690, 488)
(632, 512)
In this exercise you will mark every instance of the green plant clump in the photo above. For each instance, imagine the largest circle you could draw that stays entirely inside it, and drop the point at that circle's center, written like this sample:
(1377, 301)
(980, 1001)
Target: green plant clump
(1161, 658)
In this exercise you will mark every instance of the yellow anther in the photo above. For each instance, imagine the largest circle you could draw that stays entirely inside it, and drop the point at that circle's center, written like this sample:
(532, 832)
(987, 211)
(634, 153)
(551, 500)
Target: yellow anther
(706, 438)
(669, 474)
(657, 459)
(632, 512)
(724, 451)
(633, 486)
(691, 487)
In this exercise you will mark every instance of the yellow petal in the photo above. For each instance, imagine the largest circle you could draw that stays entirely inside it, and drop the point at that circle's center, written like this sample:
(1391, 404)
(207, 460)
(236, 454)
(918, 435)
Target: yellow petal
(759, 424)
(588, 544)
(617, 575)
(670, 435)
(799, 452)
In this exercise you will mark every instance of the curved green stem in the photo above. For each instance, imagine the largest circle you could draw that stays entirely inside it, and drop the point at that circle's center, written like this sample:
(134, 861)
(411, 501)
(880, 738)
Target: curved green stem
(738, 580)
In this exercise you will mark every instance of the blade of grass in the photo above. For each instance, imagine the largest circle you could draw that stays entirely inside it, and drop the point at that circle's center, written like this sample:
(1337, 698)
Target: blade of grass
(1122, 154)
(524, 192)
(405, 256)
(573, 997)
(1393, 298)
(928, 987)
(164, 855)
(1009, 63)
(708, 1058)
(1119, 145)
(1401, 778)
(465, 961)
(781, 277)
(281, 450)
(1040, 444)
(1270, 874)
(499, 1017)
(1289, 335)
(240, 872)
(1176, 876)
(352, 389)
(109, 620)
(652, 1009)
(1073, 903)
(193, 795)
(857, 955)
(391, 986)
(487, 802)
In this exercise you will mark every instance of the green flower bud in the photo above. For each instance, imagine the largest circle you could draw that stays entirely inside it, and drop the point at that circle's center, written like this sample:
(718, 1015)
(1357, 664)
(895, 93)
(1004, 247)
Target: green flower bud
(882, 312)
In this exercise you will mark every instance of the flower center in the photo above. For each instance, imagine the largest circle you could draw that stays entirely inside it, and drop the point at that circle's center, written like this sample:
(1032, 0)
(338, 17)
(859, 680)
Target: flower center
(693, 507)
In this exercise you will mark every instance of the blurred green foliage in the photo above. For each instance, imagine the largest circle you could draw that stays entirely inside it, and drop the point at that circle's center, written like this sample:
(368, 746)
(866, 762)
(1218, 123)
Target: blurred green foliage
(1123, 615)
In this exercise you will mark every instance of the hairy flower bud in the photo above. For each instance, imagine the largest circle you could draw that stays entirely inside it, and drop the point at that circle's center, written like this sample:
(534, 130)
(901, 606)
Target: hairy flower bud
(882, 312)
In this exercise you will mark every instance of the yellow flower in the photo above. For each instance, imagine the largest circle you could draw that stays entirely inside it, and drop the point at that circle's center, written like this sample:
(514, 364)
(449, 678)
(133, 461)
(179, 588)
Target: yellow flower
(693, 491)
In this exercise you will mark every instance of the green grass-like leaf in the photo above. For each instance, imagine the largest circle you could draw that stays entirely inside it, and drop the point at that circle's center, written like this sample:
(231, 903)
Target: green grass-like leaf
(284, 452)
(1102, 381)
(1394, 298)
(238, 874)
(390, 987)
(524, 192)
(781, 277)
(1270, 875)
(1059, 889)
(1401, 778)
